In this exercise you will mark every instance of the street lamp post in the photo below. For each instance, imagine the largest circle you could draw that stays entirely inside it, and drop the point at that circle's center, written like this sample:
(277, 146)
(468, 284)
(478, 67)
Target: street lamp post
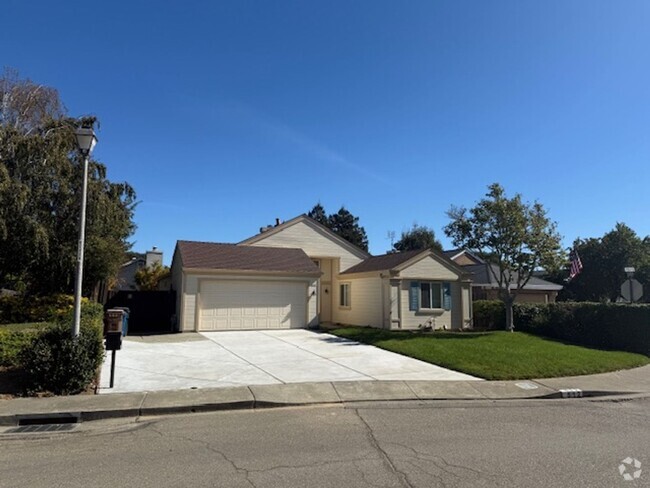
(86, 141)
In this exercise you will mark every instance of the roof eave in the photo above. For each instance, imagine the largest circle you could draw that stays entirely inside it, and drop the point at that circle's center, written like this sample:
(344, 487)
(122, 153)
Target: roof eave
(525, 288)
(430, 252)
(252, 272)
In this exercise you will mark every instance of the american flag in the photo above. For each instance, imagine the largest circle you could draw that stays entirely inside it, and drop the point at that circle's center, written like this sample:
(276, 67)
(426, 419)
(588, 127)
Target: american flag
(576, 264)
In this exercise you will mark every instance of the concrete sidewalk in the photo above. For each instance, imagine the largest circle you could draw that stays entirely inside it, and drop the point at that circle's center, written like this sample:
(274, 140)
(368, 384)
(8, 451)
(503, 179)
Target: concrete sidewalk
(93, 407)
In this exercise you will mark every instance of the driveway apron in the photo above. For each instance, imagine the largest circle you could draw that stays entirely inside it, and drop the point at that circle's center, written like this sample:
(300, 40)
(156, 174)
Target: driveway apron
(242, 358)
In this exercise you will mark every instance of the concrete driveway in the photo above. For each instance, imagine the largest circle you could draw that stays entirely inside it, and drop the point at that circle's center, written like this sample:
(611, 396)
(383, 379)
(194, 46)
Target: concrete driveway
(222, 359)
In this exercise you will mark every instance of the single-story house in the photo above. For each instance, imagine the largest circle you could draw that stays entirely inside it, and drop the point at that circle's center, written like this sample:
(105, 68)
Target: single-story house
(126, 274)
(300, 274)
(486, 287)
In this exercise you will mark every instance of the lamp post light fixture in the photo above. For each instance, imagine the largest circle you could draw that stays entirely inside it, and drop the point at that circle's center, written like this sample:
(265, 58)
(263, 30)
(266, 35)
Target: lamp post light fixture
(86, 141)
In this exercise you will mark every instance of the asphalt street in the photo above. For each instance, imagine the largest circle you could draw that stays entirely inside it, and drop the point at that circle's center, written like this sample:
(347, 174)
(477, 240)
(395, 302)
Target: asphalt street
(533, 443)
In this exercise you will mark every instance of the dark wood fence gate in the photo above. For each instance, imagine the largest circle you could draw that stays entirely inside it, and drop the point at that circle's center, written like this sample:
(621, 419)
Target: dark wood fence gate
(151, 312)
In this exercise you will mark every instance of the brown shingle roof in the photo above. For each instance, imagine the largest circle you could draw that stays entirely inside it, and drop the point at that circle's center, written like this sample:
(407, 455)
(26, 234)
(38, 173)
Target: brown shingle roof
(209, 255)
(482, 276)
(383, 262)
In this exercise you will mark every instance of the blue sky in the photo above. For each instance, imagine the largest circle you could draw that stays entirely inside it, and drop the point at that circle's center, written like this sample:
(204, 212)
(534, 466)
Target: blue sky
(225, 115)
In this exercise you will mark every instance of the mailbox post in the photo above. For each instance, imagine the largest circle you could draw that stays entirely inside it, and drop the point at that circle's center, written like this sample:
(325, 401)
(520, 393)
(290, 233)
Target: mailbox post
(115, 326)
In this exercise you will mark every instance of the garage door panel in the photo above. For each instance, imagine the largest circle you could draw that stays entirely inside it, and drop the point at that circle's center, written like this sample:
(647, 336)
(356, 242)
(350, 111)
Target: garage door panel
(239, 305)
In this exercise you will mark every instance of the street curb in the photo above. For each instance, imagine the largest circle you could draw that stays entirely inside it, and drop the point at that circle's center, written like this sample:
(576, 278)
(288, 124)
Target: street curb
(92, 415)
(195, 408)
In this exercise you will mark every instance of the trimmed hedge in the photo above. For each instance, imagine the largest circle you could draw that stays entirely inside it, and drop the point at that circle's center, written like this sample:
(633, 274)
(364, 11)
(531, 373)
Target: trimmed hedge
(18, 309)
(55, 362)
(489, 315)
(13, 341)
(599, 325)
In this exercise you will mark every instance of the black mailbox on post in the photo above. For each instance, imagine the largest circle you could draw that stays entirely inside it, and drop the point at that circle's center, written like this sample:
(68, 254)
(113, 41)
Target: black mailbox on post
(113, 328)
(115, 324)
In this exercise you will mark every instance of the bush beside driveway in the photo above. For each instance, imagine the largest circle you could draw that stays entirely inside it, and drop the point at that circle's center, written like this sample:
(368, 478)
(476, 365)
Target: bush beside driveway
(497, 355)
(43, 358)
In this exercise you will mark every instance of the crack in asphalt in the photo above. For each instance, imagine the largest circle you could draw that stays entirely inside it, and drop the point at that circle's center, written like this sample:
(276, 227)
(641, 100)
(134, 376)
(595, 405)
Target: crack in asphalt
(364, 477)
(246, 472)
(444, 465)
(401, 476)
(440, 479)
(209, 447)
(439, 462)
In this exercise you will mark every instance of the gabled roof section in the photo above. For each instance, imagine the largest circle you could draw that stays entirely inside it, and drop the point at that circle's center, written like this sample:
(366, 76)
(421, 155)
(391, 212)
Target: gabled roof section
(400, 260)
(309, 221)
(133, 261)
(382, 263)
(482, 276)
(454, 254)
(215, 256)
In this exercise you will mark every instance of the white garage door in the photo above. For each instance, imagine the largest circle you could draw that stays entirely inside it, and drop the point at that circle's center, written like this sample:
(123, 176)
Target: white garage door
(240, 305)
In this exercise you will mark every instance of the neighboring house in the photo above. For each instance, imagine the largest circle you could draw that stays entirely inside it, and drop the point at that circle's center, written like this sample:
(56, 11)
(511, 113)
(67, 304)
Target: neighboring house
(486, 287)
(125, 279)
(126, 274)
(300, 274)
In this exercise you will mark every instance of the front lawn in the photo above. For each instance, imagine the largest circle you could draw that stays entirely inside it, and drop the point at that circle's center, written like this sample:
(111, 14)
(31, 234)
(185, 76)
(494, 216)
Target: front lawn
(496, 355)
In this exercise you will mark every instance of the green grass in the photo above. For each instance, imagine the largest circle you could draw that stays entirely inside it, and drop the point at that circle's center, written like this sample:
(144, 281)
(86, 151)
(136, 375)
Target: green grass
(497, 355)
(23, 327)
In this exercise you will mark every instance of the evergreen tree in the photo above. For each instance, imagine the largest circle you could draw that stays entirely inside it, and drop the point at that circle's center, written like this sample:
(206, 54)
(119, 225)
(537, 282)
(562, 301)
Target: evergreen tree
(343, 223)
(418, 237)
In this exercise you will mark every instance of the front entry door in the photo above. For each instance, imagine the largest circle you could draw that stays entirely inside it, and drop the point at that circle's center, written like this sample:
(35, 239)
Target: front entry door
(324, 290)
(326, 302)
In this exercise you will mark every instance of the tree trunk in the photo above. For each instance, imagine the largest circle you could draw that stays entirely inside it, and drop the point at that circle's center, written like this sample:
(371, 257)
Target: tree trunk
(510, 315)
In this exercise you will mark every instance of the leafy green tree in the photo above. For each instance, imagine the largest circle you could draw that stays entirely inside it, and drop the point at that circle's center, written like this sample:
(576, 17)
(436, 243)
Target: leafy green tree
(40, 187)
(517, 237)
(343, 223)
(603, 260)
(416, 238)
(149, 278)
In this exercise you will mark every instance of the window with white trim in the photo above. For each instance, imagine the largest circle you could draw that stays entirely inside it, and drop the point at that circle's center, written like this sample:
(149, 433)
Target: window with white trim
(344, 295)
(430, 295)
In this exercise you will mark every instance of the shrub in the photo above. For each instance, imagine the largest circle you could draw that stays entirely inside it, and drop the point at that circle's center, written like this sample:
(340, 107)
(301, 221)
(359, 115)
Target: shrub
(92, 315)
(12, 342)
(530, 315)
(489, 314)
(600, 325)
(57, 363)
(22, 308)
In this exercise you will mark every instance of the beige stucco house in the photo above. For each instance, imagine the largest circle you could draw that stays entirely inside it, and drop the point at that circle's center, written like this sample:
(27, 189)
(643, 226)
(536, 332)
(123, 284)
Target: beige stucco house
(299, 274)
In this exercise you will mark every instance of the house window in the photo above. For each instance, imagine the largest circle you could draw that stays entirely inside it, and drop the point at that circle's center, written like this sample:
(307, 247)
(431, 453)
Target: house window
(344, 295)
(430, 295)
